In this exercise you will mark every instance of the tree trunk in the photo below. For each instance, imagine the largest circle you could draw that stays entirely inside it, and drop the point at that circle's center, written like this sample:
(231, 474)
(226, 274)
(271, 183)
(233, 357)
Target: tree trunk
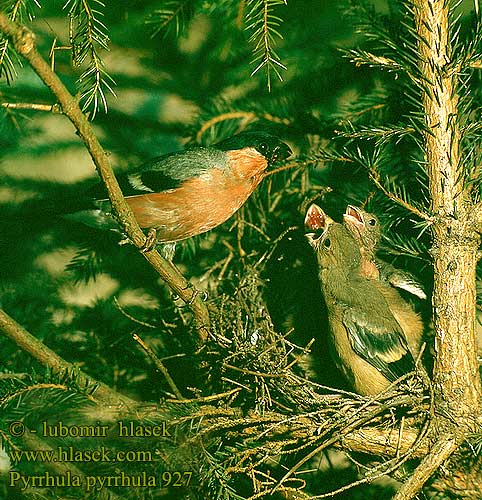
(455, 245)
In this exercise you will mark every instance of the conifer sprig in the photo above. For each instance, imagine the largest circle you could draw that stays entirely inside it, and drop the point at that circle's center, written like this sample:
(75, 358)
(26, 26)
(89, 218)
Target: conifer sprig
(264, 28)
(175, 13)
(19, 11)
(88, 36)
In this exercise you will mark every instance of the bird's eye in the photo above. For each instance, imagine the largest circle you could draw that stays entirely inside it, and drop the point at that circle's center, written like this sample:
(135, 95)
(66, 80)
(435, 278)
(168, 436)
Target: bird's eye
(263, 147)
(372, 222)
(327, 243)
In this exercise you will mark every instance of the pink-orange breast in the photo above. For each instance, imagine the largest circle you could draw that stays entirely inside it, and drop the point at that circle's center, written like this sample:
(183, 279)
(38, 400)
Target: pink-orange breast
(200, 204)
(246, 163)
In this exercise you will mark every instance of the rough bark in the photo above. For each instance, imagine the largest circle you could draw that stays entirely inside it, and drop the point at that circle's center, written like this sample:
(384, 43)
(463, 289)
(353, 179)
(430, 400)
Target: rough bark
(455, 242)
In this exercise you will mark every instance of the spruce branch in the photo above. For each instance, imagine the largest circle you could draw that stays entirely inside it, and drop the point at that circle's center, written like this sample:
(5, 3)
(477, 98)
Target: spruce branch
(19, 10)
(47, 357)
(171, 12)
(24, 43)
(381, 134)
(88, 36)
(264, 25)
(362, 57)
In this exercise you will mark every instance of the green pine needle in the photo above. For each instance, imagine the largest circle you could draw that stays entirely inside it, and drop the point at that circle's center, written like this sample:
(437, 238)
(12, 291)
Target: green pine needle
(171, 13)
(264, 28)
(88, 36)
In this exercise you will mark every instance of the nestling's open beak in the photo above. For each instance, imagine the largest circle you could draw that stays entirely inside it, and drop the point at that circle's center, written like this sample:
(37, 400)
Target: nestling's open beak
(315, 220)
(354, 218)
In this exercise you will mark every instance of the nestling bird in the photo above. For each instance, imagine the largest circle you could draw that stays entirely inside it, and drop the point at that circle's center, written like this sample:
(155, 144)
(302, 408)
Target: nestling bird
(365, 228)
(187, 193)
(368, 344)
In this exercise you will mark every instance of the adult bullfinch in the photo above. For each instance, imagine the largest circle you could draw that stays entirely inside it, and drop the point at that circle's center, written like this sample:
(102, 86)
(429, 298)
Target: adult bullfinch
(365, 228)
(367, 342)
(187, 193)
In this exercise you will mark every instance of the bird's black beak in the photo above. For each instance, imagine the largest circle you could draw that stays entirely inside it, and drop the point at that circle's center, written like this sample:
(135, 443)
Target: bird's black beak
(281, 152)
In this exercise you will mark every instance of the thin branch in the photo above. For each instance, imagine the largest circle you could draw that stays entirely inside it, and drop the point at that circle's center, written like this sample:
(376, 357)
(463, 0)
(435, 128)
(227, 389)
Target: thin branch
(375, 177)
(24, 43)
(159, 365)
(476, 64)
(206, 399)
(49, 358)
(440, 452)
(251, 372)
(128, 316)
(246, 116)
(290, 166)
(50, 108)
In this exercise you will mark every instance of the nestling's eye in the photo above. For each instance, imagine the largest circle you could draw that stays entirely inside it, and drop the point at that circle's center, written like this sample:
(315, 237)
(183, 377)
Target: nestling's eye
(327, 243)
(372, 222)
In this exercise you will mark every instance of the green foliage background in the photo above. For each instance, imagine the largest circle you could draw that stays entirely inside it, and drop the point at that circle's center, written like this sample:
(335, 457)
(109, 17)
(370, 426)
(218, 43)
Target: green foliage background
(183, 74)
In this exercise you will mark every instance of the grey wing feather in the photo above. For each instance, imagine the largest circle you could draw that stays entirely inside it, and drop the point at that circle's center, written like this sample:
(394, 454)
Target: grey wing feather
(383, 346)
(400, 279)
(166, 172)
(169, 171)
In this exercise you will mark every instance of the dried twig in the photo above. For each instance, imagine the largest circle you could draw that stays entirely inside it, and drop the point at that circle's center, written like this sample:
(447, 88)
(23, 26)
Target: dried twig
(159, 365)
(50, 108)
(246, 116)
(439, 453)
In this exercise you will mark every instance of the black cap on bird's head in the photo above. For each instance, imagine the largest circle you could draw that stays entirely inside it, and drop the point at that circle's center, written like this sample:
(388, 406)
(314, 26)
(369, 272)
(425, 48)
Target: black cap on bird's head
(270, 146)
